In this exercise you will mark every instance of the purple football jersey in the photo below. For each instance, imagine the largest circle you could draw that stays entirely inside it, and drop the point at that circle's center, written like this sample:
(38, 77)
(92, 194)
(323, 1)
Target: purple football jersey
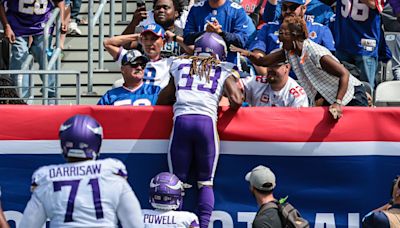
(28, 17)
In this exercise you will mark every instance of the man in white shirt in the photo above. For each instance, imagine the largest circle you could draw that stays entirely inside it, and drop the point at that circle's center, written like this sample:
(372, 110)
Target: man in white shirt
(83, 192)
(276, 89)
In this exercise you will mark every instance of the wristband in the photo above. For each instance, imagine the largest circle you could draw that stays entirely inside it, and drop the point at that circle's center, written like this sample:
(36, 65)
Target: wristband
(339, 102)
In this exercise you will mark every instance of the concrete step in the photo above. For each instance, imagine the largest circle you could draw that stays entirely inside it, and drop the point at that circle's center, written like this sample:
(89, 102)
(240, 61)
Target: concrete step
(130, 6)
(118, 29)
(73, 55)
(83, 66)
(102, 78)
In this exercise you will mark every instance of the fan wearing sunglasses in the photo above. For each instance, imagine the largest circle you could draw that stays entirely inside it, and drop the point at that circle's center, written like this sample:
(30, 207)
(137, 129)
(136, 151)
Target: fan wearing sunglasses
(134, 91)
(387, 216)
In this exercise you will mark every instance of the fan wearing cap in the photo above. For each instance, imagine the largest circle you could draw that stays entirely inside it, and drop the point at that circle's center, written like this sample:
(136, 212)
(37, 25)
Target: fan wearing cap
(262, 184)
(152, 40)
(267, 38)
(276, 89)
(134, 91)
(319, 72)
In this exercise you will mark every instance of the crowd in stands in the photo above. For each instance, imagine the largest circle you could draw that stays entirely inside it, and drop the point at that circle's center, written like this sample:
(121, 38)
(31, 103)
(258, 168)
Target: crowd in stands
(249, 25)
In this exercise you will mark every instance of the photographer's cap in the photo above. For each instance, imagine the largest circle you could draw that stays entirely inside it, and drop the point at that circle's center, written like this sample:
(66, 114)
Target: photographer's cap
(262, 178)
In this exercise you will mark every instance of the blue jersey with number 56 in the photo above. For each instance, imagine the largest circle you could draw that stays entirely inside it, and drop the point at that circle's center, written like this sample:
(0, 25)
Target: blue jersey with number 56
(357, 28)
(195, 94)
(28, 17)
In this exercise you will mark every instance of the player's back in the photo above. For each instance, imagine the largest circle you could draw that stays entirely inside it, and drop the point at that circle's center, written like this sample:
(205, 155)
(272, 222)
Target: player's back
(198, 95)
(169, 219)
(81, 194)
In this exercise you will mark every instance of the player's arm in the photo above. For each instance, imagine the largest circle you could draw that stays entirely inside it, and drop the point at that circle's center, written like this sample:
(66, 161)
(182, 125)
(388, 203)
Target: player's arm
(128, 211)
(113, 45)
(34, 214)
(8, 32)
(167, 95)
(235, 96)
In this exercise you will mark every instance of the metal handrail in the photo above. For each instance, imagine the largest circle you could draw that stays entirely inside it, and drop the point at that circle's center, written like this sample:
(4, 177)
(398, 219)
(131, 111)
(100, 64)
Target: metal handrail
(46, 72)
(55, 15)
(92, 23)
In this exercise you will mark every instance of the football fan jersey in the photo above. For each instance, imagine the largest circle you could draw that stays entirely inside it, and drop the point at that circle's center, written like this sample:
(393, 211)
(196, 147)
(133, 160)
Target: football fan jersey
(258, 92)
(357, 28)
(231, 16)
(169, 219)
(195, 95)
(145, 94)
(80, 194)
(28, 17)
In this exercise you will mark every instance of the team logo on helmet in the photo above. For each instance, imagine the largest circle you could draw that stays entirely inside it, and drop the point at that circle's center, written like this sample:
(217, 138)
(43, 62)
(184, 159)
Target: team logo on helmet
(210, 44)
(166, 191)
(81, 137)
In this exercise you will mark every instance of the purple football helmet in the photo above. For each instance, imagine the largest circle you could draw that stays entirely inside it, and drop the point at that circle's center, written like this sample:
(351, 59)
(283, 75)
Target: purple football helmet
(80, 137)
(210, 43)
(166, 191)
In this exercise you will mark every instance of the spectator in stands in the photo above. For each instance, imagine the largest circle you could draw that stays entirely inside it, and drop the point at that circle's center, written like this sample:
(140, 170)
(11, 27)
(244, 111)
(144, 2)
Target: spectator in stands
(396, 58)
(21, 21)
(267, 37)
(315, 11)
(3, 221)
(9, 93)
(262, 184)
(362, 20)
(389, 214)
(166, 197)
(275, 89)
(226, 18)
(319, 72)
(133, 91)
(255, 10)
(152, 40)
(171, 16)
(396, 8)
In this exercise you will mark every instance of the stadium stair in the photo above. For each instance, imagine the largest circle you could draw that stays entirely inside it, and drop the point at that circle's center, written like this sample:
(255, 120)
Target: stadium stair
(76, 55)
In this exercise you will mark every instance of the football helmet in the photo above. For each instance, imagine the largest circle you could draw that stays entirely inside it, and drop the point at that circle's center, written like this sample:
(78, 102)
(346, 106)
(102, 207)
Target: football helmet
(166, 191)
(80, 137)
(210, 43)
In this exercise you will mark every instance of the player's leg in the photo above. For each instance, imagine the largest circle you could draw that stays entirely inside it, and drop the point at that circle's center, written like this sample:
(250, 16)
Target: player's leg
(206, 158)
(181, 148)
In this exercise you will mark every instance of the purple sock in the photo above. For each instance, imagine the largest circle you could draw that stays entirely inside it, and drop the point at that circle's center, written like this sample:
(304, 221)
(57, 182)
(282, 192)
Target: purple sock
(205, 205)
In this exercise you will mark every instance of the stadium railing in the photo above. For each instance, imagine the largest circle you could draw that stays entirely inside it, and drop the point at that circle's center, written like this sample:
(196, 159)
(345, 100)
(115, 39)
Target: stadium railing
(44, 98)
(92, 23)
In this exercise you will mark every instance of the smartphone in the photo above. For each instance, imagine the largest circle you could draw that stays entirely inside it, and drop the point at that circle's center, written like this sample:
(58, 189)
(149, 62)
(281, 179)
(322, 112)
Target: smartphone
(140, 3)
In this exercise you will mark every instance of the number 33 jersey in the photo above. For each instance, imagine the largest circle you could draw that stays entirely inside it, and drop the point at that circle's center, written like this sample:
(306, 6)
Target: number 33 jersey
(80, 194)
(195, 94)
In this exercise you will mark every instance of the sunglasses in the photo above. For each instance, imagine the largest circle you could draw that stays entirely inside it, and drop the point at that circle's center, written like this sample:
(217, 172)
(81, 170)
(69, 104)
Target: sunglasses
(291, 7)
(135, 65)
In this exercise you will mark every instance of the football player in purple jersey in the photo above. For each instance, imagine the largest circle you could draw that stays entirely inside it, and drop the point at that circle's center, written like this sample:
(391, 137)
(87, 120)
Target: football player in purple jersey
(78, 193)
(198, 83)
(22, 19)
(166, 195)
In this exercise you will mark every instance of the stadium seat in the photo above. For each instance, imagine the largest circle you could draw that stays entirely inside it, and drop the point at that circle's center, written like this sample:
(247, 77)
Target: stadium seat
(388, 94)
